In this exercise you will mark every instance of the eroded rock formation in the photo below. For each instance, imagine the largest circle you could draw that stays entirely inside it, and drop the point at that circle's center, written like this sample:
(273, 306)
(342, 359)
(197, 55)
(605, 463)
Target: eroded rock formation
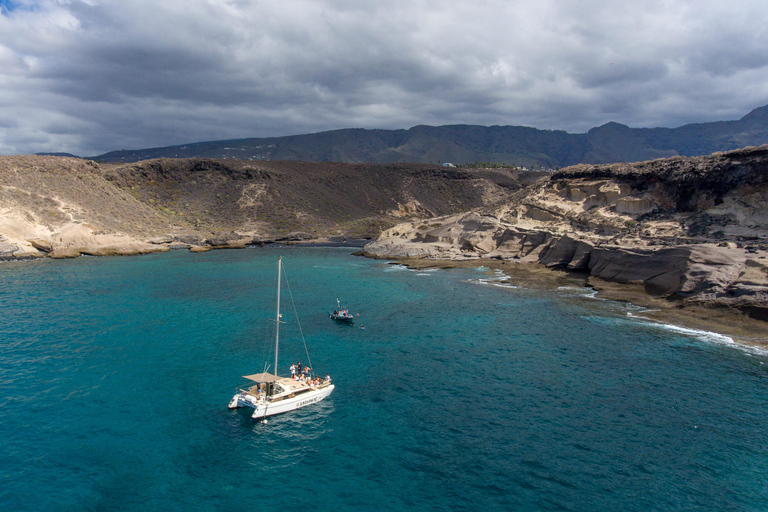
(693, 230)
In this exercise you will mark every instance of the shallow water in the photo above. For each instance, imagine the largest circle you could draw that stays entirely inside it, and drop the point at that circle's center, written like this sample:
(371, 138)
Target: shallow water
(459, 394)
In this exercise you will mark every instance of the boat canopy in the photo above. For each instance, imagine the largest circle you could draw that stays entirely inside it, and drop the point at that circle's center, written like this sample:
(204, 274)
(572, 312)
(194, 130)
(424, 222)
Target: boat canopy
(262, 377)
(288, 385)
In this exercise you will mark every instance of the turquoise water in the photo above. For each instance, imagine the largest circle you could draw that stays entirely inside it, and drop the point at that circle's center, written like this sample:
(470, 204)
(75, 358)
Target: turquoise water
(115, 375)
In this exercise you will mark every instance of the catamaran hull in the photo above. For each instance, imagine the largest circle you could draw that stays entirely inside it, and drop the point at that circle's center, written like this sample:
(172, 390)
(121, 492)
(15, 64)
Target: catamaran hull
(262, 409)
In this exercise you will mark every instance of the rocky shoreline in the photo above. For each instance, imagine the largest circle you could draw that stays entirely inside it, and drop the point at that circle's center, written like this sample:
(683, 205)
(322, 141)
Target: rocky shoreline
(116, 245)
(689, 232)
(702, 275)
(681, 234)
(743, 330)
(730, 322)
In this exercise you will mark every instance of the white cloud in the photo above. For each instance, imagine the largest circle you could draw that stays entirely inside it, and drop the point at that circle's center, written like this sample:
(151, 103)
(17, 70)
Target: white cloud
(89, 77)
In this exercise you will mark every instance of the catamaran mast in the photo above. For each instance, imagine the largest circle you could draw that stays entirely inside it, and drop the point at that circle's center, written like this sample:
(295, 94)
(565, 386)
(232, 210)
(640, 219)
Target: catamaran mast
(277, 328)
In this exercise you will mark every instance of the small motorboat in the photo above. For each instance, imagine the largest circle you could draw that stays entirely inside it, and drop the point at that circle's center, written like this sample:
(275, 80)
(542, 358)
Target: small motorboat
(341, 314)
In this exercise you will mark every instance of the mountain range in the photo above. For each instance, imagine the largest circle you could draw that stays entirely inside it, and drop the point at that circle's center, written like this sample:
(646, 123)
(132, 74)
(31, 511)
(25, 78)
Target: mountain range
(466, 144)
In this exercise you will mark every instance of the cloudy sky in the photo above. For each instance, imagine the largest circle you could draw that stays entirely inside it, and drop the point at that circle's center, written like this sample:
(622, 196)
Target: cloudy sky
(90, 76)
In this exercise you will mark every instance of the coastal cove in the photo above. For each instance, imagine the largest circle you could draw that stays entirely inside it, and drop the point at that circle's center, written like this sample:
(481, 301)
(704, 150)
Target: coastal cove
(692, 231)
(463, 392)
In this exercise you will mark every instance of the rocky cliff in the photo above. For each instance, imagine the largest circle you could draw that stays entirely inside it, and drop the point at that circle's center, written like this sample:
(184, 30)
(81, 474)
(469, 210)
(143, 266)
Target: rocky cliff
(692, 230)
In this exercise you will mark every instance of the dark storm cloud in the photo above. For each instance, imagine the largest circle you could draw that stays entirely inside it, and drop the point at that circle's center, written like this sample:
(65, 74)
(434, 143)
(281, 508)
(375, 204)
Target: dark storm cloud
(92, 76)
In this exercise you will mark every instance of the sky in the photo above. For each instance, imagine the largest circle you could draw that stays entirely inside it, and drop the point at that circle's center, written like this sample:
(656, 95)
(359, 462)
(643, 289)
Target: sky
(91, 76)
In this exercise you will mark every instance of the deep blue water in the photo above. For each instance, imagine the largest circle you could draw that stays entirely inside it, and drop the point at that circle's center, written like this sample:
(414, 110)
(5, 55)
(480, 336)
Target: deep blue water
(115, 375)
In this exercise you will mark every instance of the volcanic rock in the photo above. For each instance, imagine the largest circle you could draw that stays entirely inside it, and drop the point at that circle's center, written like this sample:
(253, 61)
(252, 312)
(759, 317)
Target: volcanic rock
(693, 230)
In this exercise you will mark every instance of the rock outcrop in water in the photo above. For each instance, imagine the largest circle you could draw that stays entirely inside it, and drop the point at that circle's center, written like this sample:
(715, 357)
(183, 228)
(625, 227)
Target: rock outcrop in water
(693, 230)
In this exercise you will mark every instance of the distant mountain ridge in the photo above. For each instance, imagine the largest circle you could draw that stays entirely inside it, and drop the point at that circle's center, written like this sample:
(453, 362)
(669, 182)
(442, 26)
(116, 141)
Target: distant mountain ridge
(460, 144)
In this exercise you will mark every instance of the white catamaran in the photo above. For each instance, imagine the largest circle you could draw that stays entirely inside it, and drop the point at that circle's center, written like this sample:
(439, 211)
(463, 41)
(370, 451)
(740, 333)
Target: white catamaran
(273, 394)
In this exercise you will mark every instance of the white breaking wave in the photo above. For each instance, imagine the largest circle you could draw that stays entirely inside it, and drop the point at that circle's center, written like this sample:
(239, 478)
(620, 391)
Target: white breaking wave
(497, 279)
(698, 333)
(395, 268)
(580, 291)
(713, 337)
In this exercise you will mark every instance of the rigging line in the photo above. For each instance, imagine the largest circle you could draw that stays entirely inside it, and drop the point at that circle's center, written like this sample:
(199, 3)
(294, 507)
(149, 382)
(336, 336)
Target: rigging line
(296, 314)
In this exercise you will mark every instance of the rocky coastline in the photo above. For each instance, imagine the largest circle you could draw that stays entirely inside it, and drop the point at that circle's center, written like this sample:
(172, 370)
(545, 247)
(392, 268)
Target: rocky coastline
(689, 233)
(680, 234)
(116, 245)
(744, 331)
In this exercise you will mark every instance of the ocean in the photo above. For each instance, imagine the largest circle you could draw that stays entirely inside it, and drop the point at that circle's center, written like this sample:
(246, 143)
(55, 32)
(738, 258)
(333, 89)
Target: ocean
(454, 392)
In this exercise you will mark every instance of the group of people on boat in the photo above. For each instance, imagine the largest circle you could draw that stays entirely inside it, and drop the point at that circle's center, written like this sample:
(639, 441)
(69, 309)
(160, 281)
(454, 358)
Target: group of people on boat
(297, 370)
(303, 374)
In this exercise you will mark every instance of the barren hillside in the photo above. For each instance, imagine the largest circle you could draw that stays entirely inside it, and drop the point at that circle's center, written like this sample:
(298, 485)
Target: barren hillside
(67, 206)
(49, 203)
(272, 198)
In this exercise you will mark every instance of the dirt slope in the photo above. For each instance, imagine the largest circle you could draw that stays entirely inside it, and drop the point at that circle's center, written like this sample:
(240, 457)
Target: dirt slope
(67, 206)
